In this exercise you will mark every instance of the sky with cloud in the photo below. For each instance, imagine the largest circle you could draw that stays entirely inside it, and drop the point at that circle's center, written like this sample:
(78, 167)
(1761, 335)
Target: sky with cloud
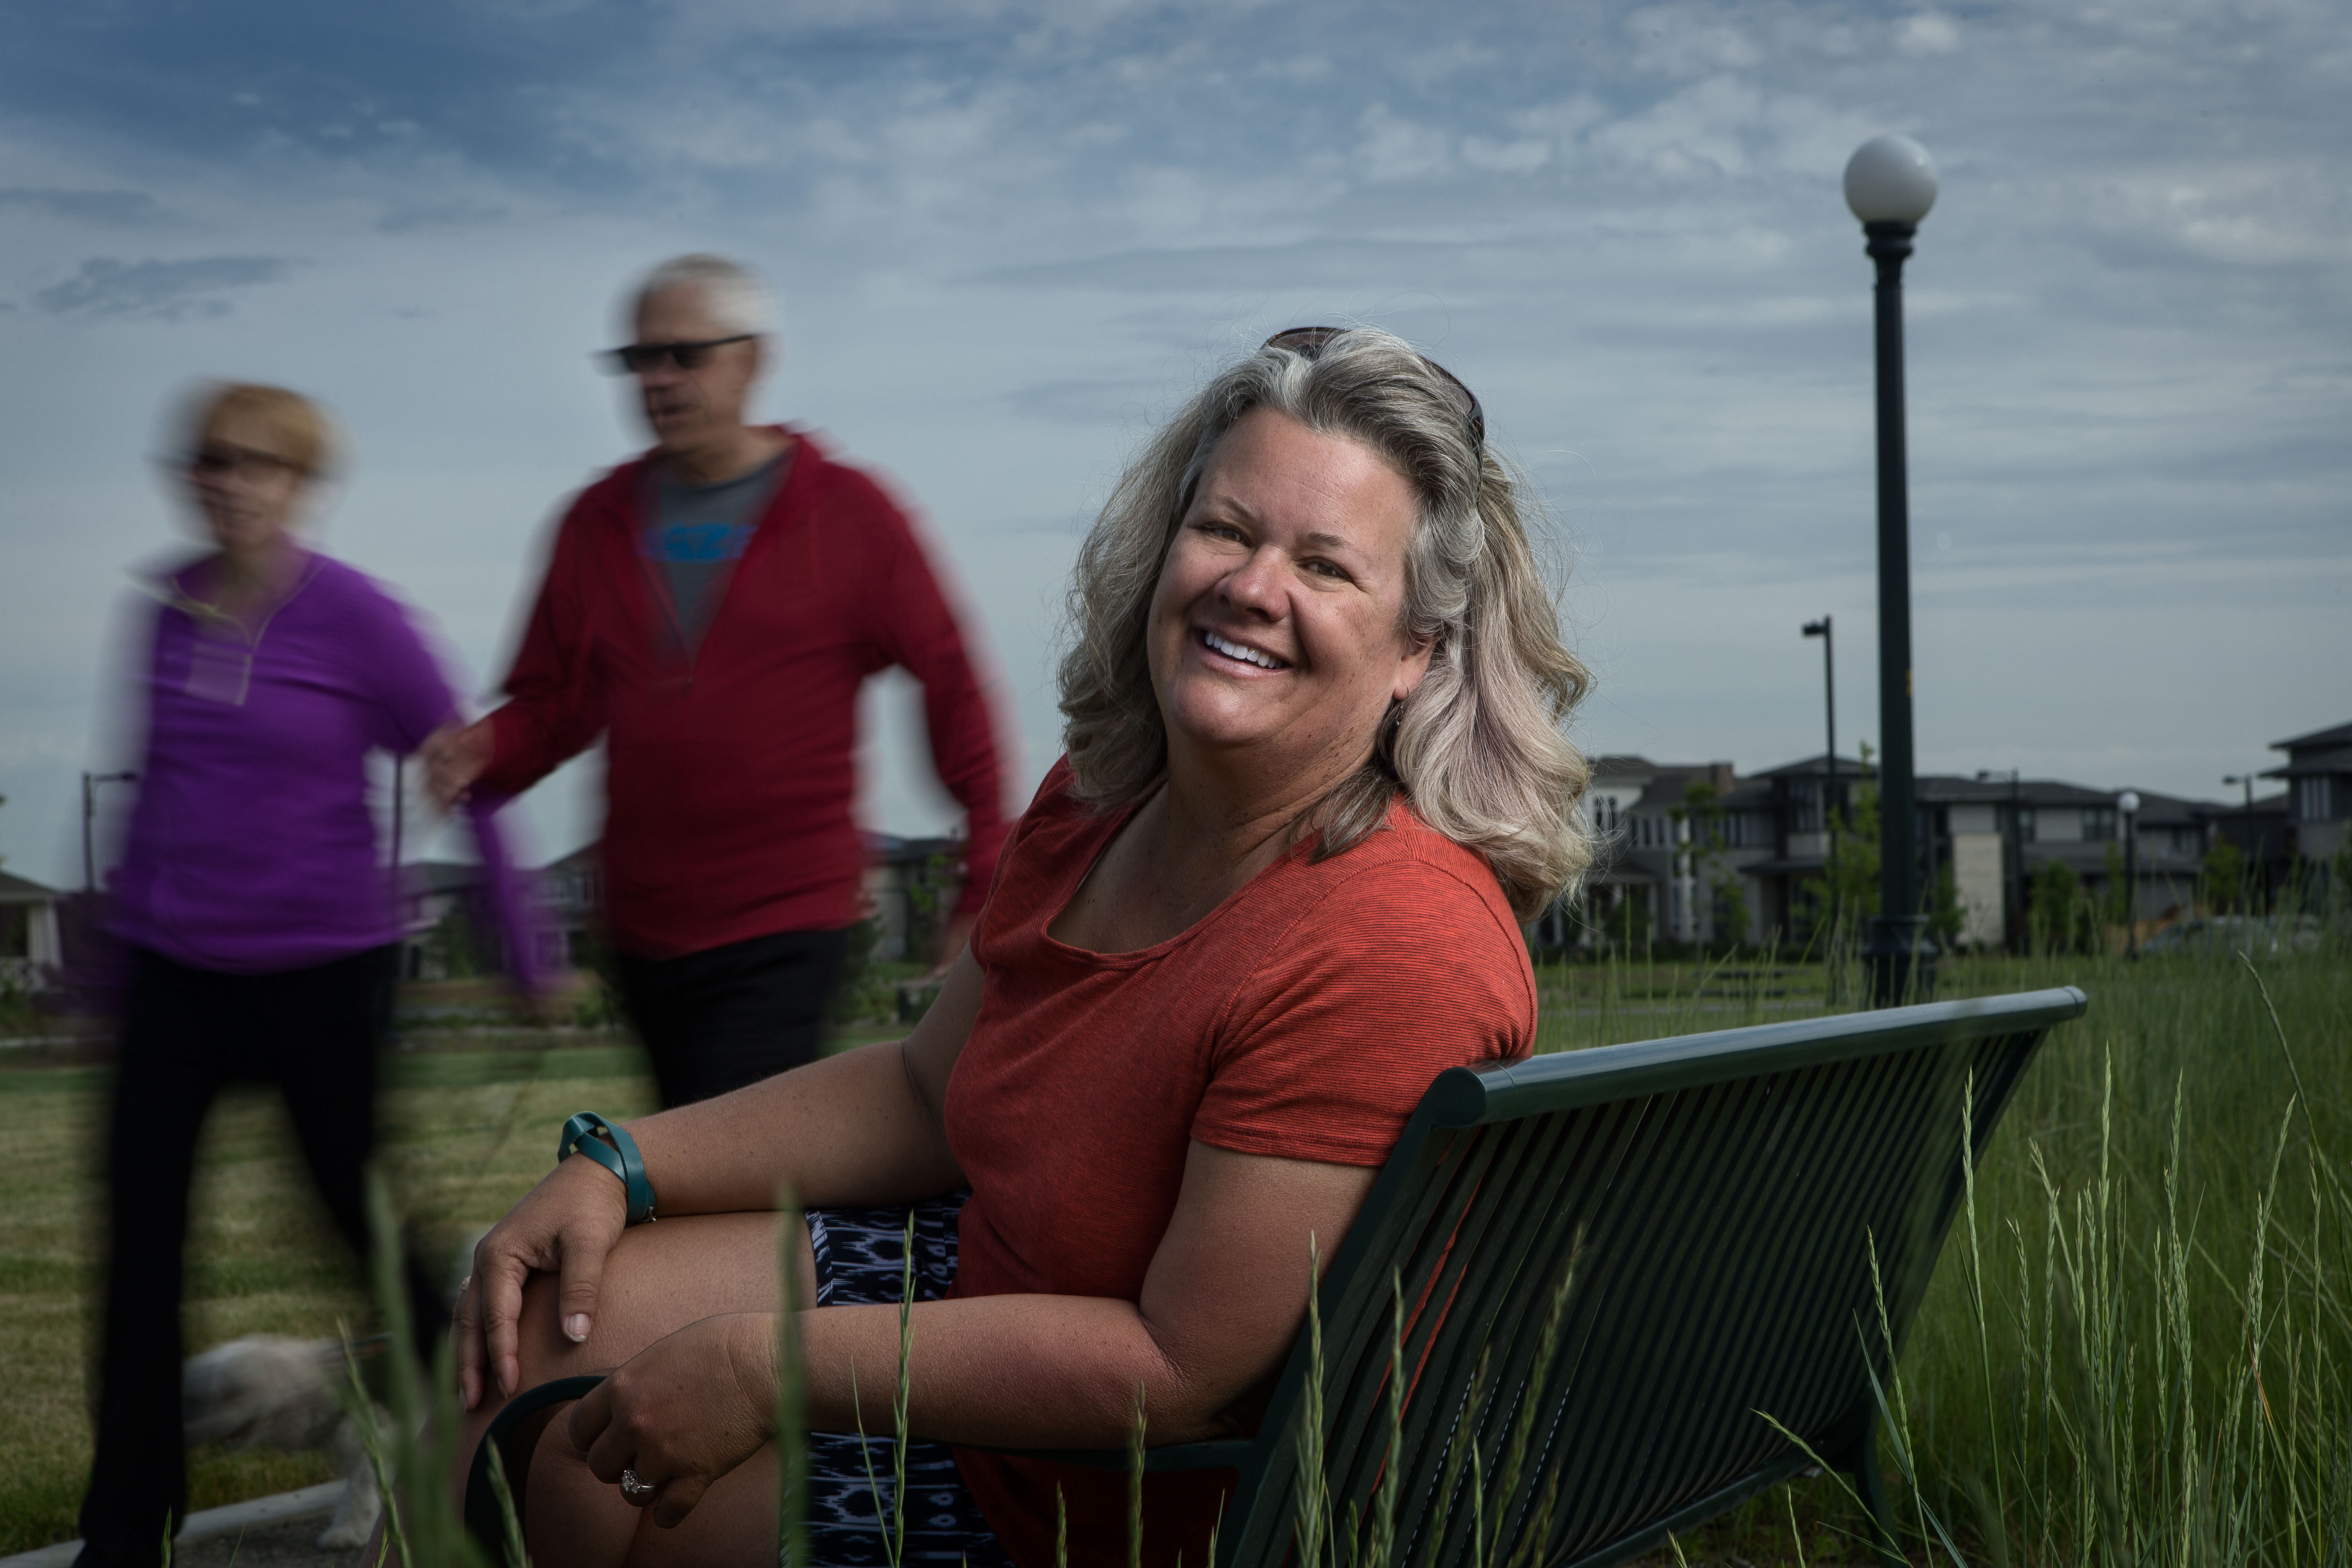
(1011, 235)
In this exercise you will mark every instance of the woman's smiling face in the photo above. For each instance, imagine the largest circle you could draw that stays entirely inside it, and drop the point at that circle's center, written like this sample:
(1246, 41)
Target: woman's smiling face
(1278, 620)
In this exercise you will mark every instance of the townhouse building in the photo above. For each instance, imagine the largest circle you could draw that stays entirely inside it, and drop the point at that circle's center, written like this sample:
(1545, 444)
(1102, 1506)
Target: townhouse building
(2318, 774)
(1673, 839)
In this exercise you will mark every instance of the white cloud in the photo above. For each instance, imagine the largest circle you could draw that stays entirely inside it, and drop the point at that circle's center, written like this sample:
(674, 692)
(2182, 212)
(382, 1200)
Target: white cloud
(1398, 148)
(1927, 33)
(1705, 127)
(1523, 156)
(1688, 40)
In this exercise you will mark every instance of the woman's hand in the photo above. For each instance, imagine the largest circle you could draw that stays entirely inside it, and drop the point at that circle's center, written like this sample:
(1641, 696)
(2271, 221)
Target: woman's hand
(688, 1409)
(566, 1225)
(455, 757)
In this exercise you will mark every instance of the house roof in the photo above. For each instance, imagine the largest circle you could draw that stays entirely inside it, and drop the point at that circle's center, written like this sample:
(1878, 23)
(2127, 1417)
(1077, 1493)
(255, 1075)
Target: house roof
(2338, 760)
(2341, 735)
(1618, 764)
(2158, 809)
(15, 889)
(1812, 767)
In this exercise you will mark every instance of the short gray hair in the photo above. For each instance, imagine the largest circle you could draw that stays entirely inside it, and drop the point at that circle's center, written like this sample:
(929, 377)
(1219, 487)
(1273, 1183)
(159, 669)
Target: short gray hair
(1477, 748)
(735, 296)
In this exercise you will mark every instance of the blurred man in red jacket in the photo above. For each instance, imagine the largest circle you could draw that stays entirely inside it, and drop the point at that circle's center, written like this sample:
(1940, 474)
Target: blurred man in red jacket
(712, 608)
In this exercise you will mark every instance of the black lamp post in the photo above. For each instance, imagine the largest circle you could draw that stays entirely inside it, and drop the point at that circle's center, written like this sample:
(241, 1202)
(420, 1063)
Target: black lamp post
(89, 784)
(1890, 184)
(1821, 629)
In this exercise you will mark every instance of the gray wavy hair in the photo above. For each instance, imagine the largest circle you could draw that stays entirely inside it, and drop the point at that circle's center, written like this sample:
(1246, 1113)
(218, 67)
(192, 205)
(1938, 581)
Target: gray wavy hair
(735, 296)
(1477, 748)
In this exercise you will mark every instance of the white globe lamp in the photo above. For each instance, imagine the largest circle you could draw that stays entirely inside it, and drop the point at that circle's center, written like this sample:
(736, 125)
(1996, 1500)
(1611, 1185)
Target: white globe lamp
(1890, 179)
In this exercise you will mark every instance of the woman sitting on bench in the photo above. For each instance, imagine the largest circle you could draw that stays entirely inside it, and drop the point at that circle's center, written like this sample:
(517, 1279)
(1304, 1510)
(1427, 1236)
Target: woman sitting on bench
(1314, 777)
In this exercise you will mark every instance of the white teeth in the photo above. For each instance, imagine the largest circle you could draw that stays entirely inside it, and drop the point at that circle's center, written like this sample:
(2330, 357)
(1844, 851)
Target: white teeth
(1235, 650)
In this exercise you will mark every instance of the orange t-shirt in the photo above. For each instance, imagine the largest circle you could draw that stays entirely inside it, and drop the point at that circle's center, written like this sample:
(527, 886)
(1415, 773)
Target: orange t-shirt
(1303, 1019)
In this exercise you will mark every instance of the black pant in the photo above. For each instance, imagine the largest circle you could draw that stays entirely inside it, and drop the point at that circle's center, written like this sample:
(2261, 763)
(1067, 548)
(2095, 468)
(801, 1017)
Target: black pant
(718, 1019)
(186, 1034)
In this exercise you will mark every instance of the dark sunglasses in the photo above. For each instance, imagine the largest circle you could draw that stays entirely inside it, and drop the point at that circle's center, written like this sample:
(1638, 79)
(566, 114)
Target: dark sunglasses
(1307, 341)
(638, 358)
(217, 458)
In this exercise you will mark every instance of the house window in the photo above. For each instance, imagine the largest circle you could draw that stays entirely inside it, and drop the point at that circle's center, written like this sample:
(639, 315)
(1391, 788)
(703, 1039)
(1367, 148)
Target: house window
(2315, 801)
(1605, 814)
(2098, 822)
(1805, 795)
(2025, 824)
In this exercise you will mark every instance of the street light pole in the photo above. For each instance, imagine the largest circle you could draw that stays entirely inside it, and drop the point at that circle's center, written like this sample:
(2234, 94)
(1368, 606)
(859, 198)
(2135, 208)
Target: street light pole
(2128, 807)
(2250, 835)
(1890, 185)
(89, 784)
(1821, 629)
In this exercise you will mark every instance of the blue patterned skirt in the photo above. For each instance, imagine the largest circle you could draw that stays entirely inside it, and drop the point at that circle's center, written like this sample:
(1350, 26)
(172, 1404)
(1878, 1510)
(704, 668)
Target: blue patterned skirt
(861, 1260)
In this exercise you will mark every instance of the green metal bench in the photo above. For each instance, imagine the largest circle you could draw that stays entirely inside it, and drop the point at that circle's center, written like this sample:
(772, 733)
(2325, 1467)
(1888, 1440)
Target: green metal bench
(1720, 1197)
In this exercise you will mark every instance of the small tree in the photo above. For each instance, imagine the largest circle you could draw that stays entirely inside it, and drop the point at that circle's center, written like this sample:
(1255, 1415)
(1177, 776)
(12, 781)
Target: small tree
(453, 945)
(1731, 915)
(1853, 834)
(2338, 912)
(1702, 808)
(2221, 882)
(1629, 921)
(2061, 914)
(1945, 919)
(927, 899)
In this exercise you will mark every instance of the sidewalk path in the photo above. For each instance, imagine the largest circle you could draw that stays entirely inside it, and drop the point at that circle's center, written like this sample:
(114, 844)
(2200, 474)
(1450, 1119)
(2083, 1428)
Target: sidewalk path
(266, 1532)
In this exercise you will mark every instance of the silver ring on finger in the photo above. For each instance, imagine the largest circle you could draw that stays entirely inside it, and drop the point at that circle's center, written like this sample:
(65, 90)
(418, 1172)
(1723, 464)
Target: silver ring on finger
(634, 1488)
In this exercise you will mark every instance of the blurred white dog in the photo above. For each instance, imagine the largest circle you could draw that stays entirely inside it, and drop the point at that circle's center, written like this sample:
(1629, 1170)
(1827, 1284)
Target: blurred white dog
(266, 1391)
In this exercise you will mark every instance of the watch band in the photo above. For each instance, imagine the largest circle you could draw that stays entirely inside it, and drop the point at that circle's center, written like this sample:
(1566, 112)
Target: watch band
(611, 1147)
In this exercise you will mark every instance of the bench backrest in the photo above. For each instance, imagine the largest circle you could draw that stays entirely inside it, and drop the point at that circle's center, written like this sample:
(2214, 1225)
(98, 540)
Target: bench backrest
(1721, 1195)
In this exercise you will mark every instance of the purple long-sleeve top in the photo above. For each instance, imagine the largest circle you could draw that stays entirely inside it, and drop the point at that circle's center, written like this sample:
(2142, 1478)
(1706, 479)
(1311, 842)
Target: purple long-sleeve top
(252, 849)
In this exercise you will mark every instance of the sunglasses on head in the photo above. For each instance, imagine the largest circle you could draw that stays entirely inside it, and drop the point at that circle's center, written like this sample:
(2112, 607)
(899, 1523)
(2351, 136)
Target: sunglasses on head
(214, 458)
(638, 358)
(1307, 341)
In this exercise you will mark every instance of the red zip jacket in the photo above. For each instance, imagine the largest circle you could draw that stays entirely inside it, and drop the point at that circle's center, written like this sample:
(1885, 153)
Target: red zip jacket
(731, 770)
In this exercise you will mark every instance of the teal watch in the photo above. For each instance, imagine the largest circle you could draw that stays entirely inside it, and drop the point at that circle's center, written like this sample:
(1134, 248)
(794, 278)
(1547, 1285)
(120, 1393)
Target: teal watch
(589, 1134)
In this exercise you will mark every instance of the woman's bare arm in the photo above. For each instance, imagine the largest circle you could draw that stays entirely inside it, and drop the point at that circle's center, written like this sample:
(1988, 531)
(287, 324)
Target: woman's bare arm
(1224, 1298)
(865, 1127)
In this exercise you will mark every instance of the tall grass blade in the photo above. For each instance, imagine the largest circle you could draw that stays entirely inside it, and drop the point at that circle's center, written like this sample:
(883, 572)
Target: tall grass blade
(791, 1389)
(1313, 1501)
(518, 1556)
(899, 1407)
(419, 1511)
(1134, 1484)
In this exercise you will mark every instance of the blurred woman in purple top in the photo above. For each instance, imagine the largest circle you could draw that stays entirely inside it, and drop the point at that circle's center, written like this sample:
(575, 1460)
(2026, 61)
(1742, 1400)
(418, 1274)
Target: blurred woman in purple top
(259, 914)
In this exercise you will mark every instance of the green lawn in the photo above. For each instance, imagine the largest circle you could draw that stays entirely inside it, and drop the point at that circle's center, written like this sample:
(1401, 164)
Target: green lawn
(467, 1130)
(2028, 1450)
